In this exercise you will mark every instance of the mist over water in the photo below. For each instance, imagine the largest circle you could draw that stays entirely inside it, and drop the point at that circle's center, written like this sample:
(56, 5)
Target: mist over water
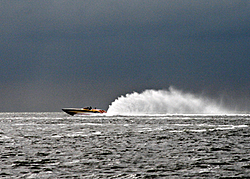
(170, 101)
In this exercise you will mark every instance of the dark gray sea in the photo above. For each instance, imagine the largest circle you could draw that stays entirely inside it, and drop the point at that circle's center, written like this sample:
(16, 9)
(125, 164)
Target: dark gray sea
(56, 145)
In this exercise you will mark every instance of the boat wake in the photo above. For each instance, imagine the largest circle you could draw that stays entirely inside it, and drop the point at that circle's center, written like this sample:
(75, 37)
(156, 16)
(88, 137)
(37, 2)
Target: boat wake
(170, 101)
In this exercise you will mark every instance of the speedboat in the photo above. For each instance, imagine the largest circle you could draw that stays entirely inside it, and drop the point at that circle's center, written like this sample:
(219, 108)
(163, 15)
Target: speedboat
(85, 110)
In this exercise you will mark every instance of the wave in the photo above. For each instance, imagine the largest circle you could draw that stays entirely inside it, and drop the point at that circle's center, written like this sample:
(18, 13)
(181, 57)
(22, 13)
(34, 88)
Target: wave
(170, 101)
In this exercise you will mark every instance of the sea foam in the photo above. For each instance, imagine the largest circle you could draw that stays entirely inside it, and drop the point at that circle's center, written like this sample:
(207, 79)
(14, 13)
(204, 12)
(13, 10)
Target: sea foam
(170, 101)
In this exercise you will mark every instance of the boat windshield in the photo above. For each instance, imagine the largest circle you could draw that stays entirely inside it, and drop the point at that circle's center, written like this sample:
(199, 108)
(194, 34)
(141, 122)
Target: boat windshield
(88, 108)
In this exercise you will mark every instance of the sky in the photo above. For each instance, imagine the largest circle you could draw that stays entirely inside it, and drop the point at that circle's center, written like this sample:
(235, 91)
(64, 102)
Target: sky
(63, 53)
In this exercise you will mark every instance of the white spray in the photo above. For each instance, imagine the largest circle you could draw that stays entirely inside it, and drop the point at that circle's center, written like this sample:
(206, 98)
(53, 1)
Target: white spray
(170, 101)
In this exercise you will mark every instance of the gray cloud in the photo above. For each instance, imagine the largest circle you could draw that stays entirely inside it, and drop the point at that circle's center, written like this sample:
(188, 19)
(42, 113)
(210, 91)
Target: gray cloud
(56, 51)
(74, 16)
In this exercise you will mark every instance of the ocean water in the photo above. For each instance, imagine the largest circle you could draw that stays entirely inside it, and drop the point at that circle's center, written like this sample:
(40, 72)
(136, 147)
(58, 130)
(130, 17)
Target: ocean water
(56, 145)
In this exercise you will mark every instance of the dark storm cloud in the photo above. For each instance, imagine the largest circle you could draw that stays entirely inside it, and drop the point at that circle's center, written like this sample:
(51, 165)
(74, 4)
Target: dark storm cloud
(67, 52)
(46, 16)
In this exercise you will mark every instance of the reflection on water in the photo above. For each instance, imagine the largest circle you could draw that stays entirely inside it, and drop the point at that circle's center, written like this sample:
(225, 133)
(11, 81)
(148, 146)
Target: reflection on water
(56, 145)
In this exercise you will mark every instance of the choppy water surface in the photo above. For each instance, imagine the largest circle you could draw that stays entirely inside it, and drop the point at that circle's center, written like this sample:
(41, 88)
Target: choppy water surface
(56, 145)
